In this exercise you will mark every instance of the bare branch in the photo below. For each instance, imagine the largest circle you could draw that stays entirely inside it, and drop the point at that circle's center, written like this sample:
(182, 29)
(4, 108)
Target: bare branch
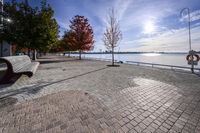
(112, 34)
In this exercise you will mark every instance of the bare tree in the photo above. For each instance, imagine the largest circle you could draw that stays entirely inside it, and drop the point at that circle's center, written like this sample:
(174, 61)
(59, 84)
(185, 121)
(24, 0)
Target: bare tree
(112, 34)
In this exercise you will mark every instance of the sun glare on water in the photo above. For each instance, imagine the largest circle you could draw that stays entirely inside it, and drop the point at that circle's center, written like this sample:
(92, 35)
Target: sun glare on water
(151, 54)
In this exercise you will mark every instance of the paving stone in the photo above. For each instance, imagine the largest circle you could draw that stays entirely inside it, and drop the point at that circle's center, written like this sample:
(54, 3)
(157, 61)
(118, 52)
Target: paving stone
(159, 131)
(151, 129)
(172, 131)
(177, 129)
(133, 131)
(138, 129)
(134, 123)
(121, 122)
(129, 125)
(130, 117)
(53, 101)
(154, 125)
(64, 126)
(125, 128)
(166, 125)
(143, 126)
(163, 129)
(126, 120)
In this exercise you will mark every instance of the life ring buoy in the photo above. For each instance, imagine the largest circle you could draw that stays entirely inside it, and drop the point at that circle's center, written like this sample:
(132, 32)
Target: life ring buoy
(189, 57)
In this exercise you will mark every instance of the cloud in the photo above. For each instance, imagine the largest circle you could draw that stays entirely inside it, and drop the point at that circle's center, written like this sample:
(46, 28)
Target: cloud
(121, 6)
(169, 33)
(194, 16)
(142, 11)
(169, 41)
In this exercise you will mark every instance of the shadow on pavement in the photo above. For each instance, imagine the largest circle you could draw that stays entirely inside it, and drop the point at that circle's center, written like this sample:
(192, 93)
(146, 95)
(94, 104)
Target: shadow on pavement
(36, 88)
(8, 101)
(56, 61)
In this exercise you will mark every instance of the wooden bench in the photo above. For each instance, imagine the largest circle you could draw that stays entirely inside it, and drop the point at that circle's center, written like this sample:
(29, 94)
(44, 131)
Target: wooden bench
(16, 66)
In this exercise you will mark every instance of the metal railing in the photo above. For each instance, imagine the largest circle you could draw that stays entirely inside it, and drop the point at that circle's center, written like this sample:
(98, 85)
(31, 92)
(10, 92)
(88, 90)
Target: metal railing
(161, 65)
(172, 67)
(99, 59)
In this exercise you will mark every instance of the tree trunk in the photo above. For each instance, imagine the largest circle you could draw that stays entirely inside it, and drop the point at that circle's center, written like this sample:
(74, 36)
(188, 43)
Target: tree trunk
(1, 49)
(79, 54)
(113, 56)
(34, 54)
(38, 54)
(29, 51)
(69, 54)
(192, 67)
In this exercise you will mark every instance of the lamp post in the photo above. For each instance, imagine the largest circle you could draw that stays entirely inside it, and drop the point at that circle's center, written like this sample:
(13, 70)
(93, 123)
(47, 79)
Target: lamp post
(188, 13)
(1, 25)
(189, 34)
(3, 20)
(1, 12)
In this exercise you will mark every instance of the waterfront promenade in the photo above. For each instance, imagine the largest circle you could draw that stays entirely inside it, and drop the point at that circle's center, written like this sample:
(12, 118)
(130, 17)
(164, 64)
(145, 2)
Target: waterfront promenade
(70, 95)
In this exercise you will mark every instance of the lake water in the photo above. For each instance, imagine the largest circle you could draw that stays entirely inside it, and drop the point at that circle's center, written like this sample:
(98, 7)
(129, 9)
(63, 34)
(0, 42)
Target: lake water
(167, 59)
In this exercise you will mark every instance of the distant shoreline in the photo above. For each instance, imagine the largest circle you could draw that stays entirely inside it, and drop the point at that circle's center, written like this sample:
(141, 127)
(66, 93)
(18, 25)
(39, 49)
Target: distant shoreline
(129, 52)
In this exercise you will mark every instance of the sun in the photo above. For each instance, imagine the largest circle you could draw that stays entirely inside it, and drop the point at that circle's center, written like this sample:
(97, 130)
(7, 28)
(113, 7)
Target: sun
(149, 27)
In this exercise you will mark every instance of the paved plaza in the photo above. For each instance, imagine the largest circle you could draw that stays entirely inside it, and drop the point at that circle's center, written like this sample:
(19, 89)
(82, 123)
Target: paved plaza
(85, 96)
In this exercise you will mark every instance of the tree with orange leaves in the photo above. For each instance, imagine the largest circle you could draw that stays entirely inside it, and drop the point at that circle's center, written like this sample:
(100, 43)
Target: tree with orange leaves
(80, 36)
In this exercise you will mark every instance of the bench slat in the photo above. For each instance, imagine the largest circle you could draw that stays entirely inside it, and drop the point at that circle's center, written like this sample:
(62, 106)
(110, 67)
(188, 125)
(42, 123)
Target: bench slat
(17, 65)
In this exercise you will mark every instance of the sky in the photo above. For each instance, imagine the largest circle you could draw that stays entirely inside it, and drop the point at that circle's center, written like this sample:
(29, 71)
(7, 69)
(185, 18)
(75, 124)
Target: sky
(146, 25)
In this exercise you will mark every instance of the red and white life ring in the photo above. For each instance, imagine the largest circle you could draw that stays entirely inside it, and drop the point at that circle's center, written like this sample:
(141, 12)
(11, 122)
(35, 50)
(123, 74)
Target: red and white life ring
(189, 57)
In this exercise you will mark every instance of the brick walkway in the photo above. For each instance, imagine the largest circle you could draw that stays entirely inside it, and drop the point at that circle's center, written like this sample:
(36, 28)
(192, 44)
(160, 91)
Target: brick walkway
(150, 107)
(145, 106)
(70, 111)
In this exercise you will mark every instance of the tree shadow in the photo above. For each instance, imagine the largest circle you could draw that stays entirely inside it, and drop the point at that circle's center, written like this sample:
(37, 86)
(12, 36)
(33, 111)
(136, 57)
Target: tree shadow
(186, 72)
(56, 61)
(176, 70)
(113, 65)
(8, 101)
(197, 74)
(36, 88)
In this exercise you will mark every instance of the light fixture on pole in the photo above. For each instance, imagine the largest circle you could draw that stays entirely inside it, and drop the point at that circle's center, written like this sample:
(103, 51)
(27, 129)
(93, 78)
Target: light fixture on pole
(188, 13)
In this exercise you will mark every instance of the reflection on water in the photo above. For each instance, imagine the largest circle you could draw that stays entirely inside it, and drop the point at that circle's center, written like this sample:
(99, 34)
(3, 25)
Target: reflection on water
(150, 54)
(167, 59)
